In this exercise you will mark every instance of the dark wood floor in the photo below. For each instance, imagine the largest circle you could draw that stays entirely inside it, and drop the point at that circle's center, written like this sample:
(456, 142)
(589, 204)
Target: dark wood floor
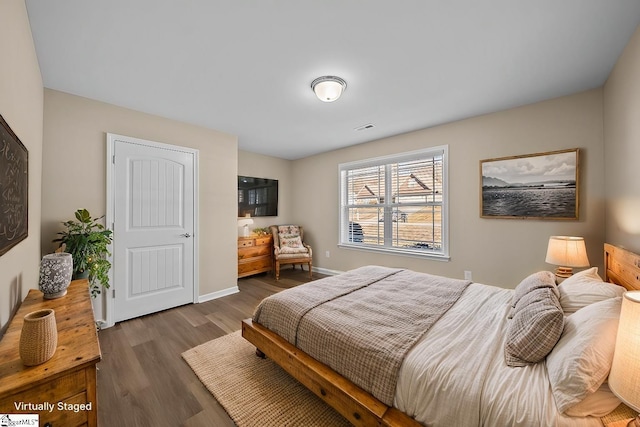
(143, 380)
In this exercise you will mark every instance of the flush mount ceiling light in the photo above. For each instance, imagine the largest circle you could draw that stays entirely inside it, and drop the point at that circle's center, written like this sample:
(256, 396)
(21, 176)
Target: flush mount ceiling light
(328, 88)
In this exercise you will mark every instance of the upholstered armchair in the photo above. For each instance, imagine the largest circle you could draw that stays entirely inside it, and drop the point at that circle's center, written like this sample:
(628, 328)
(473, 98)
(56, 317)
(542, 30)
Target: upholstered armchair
(289, 248)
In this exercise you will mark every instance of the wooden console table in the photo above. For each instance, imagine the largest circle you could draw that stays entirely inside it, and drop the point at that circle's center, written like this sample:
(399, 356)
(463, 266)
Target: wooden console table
(66, 383)
(255, 255)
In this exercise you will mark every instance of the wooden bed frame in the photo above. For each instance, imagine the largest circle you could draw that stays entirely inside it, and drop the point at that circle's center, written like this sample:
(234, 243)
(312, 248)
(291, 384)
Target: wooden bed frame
(621, 267)
(360, 407)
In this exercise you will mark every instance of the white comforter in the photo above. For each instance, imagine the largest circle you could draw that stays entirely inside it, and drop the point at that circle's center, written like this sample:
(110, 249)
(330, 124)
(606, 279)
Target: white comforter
(456, 375)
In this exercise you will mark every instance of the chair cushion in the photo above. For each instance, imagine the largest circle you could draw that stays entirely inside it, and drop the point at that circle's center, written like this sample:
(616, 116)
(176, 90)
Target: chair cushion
(297, 256)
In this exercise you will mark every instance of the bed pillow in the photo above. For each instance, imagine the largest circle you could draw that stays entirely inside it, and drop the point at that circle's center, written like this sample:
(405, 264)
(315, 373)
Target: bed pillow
(581, 360)
(535, 328)
(584, 288)
(597, 404)
(541, 279)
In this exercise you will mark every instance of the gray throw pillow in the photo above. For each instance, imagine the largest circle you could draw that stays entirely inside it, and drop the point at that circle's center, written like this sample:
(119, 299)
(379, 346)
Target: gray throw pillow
(541, 279)
(535, 328)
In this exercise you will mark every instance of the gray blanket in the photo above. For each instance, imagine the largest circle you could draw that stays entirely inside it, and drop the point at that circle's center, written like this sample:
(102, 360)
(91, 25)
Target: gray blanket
(363, 322)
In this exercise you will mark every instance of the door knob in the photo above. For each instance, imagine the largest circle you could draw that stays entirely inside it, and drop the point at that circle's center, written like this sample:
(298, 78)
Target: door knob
(187, 235)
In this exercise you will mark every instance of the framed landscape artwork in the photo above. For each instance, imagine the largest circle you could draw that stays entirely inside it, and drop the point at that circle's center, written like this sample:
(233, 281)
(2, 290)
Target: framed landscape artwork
(533, 186)
(14, 187)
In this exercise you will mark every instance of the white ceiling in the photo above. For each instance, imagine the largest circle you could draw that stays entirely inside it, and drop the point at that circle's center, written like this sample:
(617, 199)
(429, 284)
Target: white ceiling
(245, 66)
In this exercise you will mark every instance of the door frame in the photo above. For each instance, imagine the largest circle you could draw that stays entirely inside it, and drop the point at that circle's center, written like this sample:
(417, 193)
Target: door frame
(109, 298)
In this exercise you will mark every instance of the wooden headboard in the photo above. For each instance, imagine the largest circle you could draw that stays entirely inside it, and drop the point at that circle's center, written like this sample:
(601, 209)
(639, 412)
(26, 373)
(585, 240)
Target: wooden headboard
(621, 267)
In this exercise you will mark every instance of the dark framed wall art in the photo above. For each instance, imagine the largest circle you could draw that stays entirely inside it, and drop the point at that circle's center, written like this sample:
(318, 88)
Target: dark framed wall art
(14, 188)
(532, 186)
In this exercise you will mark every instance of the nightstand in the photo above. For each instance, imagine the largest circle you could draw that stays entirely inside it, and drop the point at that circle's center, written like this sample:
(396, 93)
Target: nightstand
(619, 417)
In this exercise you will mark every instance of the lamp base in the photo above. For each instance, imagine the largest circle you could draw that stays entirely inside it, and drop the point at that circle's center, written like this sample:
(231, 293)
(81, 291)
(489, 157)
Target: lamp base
(563, 273)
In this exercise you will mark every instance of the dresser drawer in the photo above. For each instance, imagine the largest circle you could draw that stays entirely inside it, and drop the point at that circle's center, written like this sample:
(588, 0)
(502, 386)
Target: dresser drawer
(71, 412)
(63, 396)
(253, 266)
(254, 251)
(51, 391)
(263, 240)
(245, 243)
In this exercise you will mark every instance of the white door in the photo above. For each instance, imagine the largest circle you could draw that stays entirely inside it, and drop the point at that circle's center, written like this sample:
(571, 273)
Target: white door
(154, 226)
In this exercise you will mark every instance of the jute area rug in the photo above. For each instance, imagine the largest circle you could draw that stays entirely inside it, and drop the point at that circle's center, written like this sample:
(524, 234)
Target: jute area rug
(254, 391)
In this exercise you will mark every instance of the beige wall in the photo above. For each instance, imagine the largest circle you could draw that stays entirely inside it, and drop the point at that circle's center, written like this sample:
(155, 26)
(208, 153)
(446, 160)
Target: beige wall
(21, 107)
(622, 141)
(74, 174)
(260, 166)
(497, 251)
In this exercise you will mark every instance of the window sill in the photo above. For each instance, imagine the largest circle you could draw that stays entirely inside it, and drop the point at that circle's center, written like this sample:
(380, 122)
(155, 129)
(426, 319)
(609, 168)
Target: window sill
(400, 252)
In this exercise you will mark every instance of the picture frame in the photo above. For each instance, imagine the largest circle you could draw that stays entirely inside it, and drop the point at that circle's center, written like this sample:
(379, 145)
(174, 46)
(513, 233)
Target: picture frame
(532, 186)
(14, 189)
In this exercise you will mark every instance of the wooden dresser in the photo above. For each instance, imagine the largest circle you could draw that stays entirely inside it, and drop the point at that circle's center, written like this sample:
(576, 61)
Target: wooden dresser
(255, 255)
(66, 383)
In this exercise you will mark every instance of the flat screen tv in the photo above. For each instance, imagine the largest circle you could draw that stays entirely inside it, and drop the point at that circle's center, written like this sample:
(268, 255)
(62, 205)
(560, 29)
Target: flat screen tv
(257, 196)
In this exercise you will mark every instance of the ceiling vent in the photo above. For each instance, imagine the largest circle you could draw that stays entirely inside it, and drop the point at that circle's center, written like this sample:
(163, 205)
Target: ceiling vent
(363, 127)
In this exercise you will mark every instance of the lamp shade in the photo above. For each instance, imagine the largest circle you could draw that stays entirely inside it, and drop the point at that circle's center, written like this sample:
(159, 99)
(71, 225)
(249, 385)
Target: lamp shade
(245, 221)
(328, 88)
(567, 251)
(624, 378)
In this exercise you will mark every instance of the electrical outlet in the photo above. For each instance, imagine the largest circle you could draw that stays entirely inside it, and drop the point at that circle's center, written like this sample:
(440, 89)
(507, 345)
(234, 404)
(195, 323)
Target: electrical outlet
(467, 275)
(327, 254)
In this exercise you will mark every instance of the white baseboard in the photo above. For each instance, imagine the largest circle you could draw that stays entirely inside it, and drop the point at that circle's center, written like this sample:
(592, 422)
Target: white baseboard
(327, 271)
(218, 294)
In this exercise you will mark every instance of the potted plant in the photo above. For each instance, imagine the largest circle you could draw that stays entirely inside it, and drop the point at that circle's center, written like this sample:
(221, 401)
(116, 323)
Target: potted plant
(88, 242)
(261, 231)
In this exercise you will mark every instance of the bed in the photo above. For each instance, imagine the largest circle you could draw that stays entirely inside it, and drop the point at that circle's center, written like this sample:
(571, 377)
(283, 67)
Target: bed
(465, 362)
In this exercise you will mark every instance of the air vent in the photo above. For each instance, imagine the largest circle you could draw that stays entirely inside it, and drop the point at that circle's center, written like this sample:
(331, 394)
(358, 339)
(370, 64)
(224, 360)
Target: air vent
(364, 127)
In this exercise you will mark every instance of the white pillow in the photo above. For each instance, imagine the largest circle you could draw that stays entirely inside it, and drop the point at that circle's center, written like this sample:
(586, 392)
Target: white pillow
(584, 288)
(581, 360)
(597, 404)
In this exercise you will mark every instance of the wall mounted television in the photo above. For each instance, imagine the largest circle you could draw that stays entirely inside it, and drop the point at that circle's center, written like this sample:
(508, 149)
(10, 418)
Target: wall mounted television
(257, 196)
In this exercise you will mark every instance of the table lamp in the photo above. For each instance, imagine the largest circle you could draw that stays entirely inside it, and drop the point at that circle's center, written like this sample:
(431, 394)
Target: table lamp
(245, 223)
(566, 252)
(624, 378)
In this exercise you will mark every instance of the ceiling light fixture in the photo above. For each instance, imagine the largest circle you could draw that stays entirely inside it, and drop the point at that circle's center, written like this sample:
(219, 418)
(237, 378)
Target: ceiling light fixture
(328, 88)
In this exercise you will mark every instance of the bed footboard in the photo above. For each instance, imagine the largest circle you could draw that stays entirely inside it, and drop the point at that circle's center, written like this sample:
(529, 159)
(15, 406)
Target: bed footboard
(355, 404)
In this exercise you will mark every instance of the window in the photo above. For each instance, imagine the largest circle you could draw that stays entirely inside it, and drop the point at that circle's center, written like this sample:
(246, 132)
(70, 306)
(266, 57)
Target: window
(396, 203)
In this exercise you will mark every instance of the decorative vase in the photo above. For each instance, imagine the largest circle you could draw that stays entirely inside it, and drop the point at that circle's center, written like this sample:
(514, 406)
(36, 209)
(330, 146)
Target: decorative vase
(39, 337)
(55, 274)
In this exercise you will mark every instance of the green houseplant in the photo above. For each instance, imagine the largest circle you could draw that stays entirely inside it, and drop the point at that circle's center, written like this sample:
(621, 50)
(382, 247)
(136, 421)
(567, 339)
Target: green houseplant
(88, 242)
(261, 231)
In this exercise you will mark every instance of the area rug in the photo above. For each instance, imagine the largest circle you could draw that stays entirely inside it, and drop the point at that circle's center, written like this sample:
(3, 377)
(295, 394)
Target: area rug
(254, 391)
